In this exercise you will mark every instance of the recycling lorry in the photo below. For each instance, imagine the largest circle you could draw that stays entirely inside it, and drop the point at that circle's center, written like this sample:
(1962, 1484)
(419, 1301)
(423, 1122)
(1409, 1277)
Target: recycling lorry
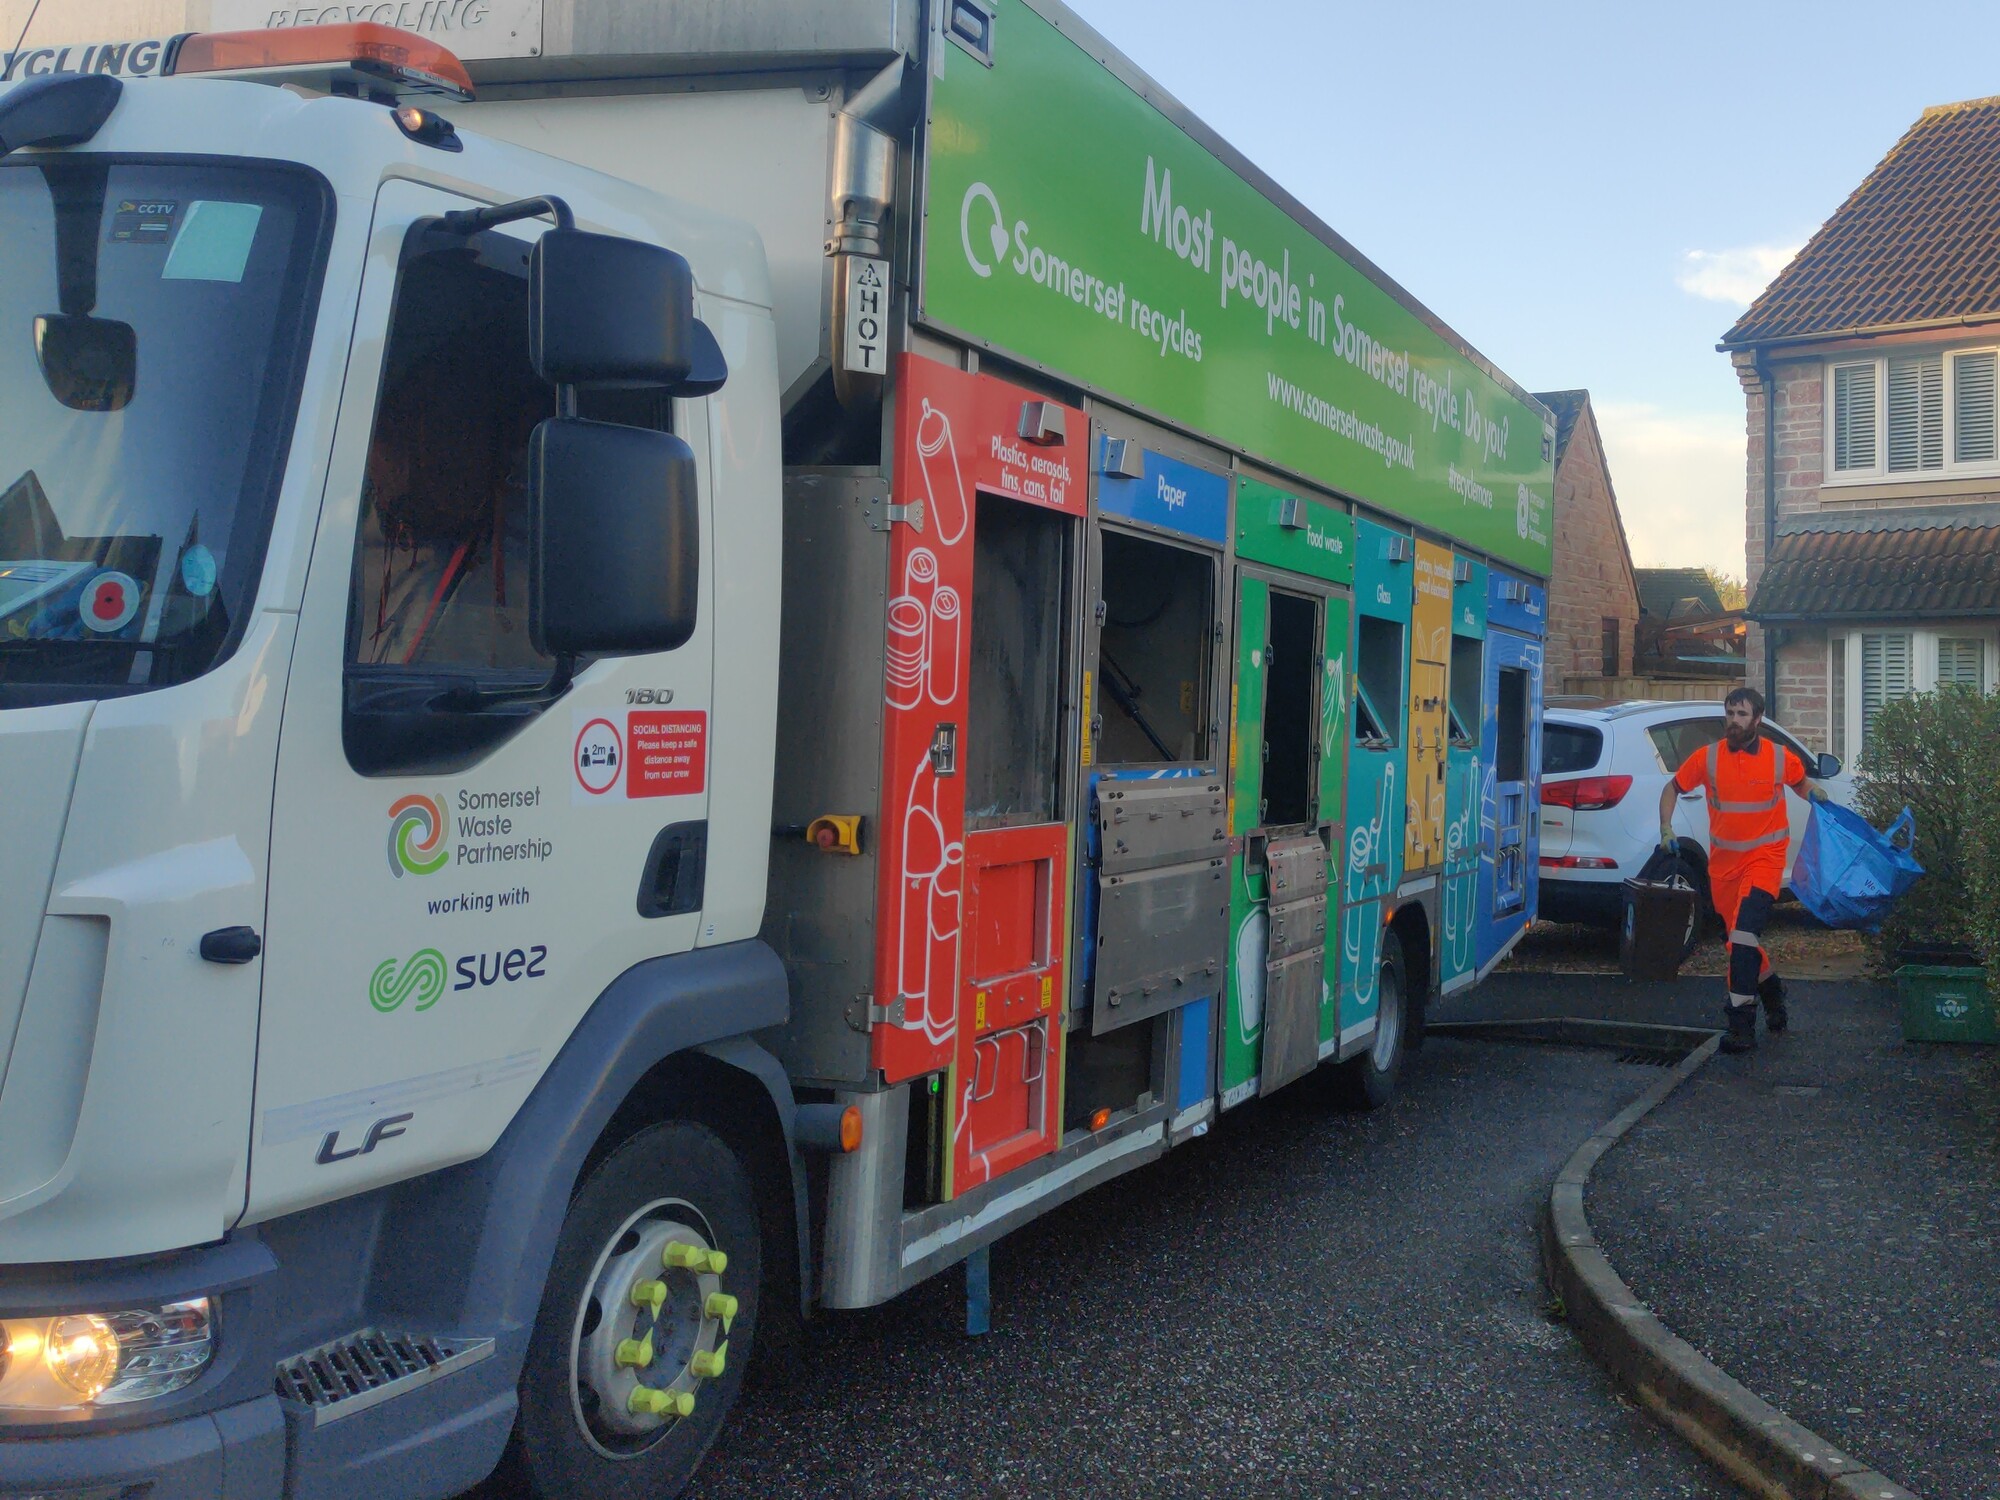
(667, 665)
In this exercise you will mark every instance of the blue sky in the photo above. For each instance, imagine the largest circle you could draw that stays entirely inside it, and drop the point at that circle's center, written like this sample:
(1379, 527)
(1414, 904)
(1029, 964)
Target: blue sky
(1587, 192)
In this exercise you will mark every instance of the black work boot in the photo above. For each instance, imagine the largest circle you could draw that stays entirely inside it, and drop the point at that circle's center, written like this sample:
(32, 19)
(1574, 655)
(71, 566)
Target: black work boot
(1772, 992)
(1742, 1033)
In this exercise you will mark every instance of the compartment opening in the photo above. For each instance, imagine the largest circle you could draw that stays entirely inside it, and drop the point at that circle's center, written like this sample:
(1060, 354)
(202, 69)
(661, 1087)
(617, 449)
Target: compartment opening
(1020, 574)
(1291, 674)
(1113, 1071)
(1153, 652)
(924, 1147)
(1466, 660)
(1510, 758)
(1378, 683)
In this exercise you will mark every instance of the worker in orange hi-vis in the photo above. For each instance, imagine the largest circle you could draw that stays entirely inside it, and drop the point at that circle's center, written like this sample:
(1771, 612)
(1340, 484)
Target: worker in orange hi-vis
(1745, 776)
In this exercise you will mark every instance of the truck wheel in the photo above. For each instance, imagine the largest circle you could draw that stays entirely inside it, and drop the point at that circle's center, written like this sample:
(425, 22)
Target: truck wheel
(1369, 1081)
(646, 1324)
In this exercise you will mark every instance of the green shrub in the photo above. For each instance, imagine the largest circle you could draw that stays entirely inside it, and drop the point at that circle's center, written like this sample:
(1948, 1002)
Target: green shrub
(1939, 755)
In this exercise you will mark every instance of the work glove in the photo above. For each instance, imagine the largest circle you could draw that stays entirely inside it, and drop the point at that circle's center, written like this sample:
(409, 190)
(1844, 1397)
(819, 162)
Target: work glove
(1816, 793)
(1669, 840)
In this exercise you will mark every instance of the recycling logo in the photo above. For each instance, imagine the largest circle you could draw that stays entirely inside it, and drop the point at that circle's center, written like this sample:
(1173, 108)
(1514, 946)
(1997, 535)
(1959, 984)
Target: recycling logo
(416, 836)
(996, 232)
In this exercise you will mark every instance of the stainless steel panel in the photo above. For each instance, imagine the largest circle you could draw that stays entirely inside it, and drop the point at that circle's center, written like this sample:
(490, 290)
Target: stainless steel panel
(1291, 1019)
(1297, 926)
(820, 917)
(1298, 868)
(1148, 823)
(1162, 937)
(620, 36)
(864, 1205)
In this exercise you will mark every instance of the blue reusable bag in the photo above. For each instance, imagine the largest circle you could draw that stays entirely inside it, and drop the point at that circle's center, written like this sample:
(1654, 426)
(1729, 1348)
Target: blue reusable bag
(1847, 874)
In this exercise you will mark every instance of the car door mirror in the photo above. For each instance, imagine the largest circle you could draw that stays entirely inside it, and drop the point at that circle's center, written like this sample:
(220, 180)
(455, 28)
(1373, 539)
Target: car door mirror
(616, 568)
(1826, 767)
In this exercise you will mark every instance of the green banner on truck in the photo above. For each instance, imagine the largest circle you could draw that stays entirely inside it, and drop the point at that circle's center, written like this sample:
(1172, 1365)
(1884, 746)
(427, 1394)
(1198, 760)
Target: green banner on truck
(1072, 224)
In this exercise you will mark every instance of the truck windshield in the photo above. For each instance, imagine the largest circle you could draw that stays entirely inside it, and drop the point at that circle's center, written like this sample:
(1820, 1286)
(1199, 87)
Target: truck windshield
(154, 318)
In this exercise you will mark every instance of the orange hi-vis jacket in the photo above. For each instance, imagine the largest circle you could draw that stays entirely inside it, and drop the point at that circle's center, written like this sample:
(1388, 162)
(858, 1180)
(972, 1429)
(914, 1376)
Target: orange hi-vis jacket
(1746, 803)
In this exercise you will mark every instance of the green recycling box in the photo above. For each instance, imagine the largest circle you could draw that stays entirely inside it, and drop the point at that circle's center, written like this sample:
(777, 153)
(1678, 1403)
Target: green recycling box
(1946, 1004)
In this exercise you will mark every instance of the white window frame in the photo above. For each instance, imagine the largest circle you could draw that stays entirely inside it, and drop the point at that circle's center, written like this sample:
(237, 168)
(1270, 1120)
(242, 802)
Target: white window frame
(1923, 665)
(1879, 473)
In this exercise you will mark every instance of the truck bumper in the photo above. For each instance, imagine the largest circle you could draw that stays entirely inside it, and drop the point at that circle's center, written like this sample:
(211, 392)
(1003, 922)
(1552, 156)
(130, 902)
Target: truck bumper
(222, 1437)
(237, 1453)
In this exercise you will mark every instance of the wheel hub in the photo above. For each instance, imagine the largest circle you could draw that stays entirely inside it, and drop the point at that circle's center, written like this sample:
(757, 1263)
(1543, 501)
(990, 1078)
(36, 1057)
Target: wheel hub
(651, 1330)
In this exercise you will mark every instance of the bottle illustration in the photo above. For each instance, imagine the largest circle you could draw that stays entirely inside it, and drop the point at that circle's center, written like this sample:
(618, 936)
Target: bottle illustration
(946, 619)
(938, 458)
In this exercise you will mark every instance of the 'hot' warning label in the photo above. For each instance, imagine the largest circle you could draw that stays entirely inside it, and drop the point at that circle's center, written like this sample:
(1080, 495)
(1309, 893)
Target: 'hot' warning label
(666, 754)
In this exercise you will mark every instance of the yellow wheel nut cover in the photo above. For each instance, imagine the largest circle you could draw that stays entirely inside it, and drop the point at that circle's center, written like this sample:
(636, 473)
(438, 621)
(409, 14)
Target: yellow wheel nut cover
(635, 1352)
(650, 1294)
(720, 1305)
(708, 1365)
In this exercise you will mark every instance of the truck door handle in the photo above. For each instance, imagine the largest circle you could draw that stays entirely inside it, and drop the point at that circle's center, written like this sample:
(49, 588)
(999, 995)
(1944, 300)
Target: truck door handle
(231, 945)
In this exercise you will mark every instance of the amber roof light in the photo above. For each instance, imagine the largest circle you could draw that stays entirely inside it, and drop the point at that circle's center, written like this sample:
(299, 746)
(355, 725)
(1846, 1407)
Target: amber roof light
(366, 55)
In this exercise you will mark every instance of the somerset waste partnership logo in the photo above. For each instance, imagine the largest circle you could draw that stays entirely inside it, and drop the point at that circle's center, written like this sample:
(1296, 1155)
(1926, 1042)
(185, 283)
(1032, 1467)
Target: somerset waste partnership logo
(416, 836)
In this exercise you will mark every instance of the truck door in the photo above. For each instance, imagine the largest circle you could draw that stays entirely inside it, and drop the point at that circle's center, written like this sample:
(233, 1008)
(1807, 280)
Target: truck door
(972, 927)
(1430, 653)
(1154, 885)
(1376, 766)
(1465, 690)
(1280, 834)
(1511, 747)
(453, 886)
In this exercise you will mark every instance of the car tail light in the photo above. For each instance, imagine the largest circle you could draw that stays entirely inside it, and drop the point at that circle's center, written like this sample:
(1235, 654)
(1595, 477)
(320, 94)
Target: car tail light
(1577, 862)
(1586, 793)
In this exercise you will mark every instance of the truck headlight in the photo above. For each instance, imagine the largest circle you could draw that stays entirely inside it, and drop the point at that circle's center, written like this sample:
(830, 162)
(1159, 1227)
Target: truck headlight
(103, 1359)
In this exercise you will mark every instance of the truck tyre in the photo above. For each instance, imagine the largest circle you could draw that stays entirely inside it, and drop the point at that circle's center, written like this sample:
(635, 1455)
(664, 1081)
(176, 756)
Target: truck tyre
(1369, 1080)
(646, 1324)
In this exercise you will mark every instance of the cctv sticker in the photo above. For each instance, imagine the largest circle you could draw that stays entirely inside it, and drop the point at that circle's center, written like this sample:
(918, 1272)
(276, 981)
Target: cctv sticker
(109, 601)
(598, 758)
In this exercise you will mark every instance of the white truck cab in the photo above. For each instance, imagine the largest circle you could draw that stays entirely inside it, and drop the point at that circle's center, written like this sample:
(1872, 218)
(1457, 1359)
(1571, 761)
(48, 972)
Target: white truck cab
(283, 547)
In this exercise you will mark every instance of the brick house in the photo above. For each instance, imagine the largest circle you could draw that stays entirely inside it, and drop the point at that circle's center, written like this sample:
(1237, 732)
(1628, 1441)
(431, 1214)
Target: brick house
(1593, 592)
(1869, 371)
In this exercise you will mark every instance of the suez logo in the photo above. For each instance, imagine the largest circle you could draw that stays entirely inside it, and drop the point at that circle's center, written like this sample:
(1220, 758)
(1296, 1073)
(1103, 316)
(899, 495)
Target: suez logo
(420, 981)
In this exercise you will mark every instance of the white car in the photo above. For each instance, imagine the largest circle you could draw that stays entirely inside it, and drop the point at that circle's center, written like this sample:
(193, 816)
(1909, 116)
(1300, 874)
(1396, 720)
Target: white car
(1602, 770)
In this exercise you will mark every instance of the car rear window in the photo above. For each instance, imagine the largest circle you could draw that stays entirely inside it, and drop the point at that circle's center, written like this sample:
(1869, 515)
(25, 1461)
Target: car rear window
(1680, 738)
(1567, 748)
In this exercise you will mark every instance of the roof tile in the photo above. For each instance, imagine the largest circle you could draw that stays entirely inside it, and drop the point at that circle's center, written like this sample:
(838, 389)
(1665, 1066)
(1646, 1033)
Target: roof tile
(1917, 241)
(1932, 571)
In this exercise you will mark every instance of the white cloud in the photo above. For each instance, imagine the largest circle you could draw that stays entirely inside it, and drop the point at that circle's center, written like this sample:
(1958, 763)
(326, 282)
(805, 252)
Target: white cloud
(1734, 276)
(1680, 483)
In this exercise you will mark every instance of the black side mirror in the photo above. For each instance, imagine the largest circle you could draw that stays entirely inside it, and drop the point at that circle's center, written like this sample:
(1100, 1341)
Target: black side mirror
(1826, 767)
(88, 364)
(616, 563)
(609, 311)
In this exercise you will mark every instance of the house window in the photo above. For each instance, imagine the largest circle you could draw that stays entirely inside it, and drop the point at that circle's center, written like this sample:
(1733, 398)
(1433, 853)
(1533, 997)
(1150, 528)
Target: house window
(1854, 419)
(1973, 408)
(1916, 413)
(1962, 660)
(1610, 630)
(1868, 668)
(1911, 416)
(1885, 673)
